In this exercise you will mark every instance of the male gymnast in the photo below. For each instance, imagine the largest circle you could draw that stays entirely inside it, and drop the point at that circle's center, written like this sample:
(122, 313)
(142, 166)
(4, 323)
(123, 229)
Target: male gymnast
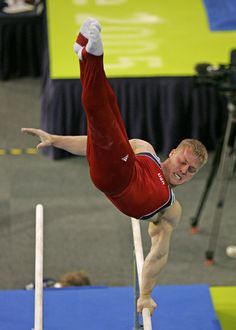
(127, 171)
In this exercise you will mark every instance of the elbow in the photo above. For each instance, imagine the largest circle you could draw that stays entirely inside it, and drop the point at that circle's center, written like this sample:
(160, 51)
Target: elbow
(162, 260)
(160, 257)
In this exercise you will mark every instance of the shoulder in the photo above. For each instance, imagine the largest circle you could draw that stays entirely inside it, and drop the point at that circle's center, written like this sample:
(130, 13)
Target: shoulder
(174, 211)
(170, 216)
(139, 146)
(173, 214)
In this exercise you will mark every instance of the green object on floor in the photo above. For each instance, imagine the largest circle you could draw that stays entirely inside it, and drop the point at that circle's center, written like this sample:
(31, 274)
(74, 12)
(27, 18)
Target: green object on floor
(224, 300)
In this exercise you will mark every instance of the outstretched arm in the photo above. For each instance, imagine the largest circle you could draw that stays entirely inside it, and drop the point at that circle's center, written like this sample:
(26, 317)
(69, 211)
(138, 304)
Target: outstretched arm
(160, 234)
(76, 145)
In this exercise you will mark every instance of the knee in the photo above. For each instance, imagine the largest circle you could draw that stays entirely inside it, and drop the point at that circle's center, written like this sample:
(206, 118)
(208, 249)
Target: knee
(106, 183)
(100, 183)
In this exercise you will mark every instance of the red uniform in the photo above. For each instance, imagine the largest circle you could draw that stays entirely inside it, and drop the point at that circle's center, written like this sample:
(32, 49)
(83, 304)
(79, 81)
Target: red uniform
(133, 183)
(147, 192)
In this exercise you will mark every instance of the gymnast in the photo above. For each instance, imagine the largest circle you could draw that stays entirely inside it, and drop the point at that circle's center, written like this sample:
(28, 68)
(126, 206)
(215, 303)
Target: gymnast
(127, 171)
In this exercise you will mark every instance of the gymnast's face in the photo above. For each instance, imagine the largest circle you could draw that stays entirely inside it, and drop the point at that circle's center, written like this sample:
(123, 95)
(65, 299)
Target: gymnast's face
(181, 166)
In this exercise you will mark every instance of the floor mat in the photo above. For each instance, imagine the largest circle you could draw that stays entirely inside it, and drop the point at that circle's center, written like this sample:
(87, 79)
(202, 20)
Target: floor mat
(184, 307)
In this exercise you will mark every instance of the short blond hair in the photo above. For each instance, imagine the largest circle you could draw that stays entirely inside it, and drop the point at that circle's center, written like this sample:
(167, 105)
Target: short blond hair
(199, 150)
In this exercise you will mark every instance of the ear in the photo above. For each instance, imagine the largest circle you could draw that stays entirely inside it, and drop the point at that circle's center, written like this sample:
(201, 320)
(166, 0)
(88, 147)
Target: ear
(171, 153)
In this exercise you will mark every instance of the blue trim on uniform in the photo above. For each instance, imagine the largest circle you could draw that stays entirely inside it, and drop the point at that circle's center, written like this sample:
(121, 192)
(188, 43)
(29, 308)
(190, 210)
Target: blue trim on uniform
(171, 199)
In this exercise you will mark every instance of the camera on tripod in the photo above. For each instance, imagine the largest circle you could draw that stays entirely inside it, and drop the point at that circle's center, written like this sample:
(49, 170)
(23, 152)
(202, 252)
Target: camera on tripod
(222, 76)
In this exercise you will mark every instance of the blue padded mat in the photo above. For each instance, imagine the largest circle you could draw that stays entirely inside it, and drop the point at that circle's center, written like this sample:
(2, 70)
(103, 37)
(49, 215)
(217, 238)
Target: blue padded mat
(184, 307)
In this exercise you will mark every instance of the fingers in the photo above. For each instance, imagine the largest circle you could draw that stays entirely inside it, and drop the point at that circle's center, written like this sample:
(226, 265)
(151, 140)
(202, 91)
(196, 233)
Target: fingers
(151, 305)
(44, 137)
(38, 133)
(30, 131)
(151, 309)
(40, 145)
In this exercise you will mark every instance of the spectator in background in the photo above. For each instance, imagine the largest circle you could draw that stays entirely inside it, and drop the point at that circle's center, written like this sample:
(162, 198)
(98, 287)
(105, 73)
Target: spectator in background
(76, 278)
(69, 279)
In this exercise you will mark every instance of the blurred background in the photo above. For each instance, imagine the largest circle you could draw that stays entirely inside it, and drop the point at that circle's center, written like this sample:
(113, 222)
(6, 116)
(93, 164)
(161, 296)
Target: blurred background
(172, 66)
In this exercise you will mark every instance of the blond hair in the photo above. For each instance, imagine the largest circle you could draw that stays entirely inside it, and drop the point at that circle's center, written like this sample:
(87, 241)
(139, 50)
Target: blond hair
(199, 150)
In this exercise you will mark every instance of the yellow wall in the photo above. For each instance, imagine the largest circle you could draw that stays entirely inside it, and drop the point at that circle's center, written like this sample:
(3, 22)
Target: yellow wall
(141, 37)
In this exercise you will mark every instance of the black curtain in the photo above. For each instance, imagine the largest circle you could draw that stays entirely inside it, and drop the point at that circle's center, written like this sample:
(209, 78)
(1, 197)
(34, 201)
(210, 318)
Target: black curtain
(21, 37)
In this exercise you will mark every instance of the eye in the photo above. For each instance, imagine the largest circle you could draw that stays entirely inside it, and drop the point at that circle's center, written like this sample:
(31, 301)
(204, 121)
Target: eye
(192, 169)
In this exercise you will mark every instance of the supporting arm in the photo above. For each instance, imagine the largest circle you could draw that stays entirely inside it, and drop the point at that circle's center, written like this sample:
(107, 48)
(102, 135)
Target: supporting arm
(160, 234)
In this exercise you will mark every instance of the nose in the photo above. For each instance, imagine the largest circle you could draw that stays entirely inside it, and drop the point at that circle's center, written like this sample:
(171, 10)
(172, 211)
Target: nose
(184, 169)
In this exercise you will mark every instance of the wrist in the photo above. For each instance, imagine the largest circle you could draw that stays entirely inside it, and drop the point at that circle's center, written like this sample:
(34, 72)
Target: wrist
(145, 295)
(54, 140)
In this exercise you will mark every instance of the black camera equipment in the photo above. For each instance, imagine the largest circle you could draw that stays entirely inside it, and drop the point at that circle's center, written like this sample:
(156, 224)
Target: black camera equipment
(223, 165)
(222, 76)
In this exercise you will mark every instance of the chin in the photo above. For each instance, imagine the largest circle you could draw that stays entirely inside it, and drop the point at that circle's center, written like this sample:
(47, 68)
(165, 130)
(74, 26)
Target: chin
(175, 183)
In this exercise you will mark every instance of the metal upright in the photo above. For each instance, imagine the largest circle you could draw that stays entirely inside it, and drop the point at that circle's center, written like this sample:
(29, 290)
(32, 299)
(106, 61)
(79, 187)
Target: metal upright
(138, 265)
(225, 171)
(38, 307)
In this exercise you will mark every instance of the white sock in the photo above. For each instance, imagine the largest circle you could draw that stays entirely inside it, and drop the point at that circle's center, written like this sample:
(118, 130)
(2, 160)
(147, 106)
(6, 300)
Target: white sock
(85, 31)
(94, 45)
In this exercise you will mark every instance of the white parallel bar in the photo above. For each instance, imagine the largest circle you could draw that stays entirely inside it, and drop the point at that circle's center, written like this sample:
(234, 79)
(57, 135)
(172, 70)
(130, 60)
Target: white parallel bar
(147, 322)
(138, 247)
(38, 304)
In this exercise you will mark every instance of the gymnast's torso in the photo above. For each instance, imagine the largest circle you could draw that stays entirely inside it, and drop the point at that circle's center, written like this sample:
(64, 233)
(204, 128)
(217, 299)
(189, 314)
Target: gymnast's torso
(148, 192)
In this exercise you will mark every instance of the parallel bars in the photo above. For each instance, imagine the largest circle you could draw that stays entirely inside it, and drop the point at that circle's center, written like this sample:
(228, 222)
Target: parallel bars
(139, 260)
(38, 300)
(138, 256)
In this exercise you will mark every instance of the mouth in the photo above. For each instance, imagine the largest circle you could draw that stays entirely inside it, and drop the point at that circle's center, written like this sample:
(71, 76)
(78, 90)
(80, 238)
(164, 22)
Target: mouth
(177, 176)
